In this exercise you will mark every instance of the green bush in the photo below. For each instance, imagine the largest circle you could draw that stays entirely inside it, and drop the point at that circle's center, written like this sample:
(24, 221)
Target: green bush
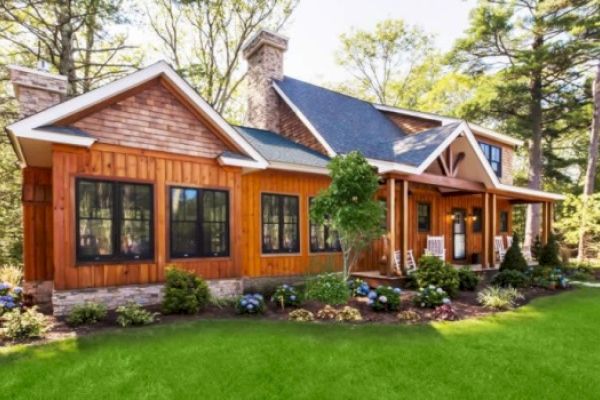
(286, 296)
(434, 272)
(468, 279)
(431, 297)
(328, 288)
(86, 313)
(536, 248)
(133, 314)
(185, 293)
(24, 324)
(513, 259)
(510, 278)
(499, 298)
(250, 304)
(385, 298)
(550, 253)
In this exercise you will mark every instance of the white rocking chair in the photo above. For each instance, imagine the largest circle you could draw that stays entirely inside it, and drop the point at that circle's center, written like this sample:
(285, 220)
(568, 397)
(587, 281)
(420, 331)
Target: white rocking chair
(435, 247)
(499, 248)
(509, 242)
(410, 261)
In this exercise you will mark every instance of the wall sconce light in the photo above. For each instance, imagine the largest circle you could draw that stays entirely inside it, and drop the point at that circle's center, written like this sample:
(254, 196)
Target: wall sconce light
(473, 217)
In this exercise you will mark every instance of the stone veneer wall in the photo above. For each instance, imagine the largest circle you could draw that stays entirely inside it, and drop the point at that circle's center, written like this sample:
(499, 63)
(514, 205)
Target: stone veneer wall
(37, 90)
(40, 292)
(147, 295)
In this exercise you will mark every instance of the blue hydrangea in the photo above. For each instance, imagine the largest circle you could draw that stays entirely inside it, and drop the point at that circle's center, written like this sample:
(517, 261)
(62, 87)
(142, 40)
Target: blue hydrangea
(382, 299)
(293, 298)
(397, 290)
(372, 294)
(243, 302)
(18, 290)
(446, 300)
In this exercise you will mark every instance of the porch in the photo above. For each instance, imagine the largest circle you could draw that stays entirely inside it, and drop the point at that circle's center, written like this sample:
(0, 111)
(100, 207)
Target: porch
(466, 214)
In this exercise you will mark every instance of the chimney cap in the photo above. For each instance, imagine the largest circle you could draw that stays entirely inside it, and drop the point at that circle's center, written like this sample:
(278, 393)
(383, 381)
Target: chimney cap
(265, 37)
(34, 71)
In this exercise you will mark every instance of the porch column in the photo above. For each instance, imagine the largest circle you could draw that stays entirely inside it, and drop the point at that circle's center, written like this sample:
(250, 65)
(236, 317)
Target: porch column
(404, 224)
(391, 203)
(547, 216)
(493, 228)
(485, 231)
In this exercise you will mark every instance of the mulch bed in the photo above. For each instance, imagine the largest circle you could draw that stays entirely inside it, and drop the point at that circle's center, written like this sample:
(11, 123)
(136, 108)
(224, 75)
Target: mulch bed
(465, 305)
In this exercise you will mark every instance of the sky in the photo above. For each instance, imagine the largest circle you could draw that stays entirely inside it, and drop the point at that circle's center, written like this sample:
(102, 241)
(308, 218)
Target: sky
(316, 25)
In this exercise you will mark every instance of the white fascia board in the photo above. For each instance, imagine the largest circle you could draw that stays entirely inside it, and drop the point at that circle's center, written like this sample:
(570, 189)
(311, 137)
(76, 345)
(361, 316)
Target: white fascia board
(384, 167)
(237, 162)
(298, 168)
(25, 127)
(54, 137)
(530, 192)
(305, 121)
(17, 147)
(485, 132)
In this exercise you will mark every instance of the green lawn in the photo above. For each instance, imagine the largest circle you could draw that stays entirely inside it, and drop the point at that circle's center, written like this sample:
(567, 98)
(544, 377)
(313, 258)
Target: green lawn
(548, 350)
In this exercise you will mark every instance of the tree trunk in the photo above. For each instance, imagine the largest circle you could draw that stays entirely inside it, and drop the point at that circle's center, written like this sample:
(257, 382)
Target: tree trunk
(532, 225)
(592, 166)
(66, 65)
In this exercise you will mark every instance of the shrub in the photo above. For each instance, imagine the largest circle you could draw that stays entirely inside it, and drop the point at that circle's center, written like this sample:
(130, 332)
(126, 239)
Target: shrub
(510, 278)
(327, 312)
(25, 324)
(286, 296)
(86, 313)
(133, 314)
(185, 293)
(536, 248)
(499, 298)
(513, 259)
(431, 297)
(549, 278)
(328, 288)
(250, 304)
(433, 271)
(445, 312)
(301, 315)
(385, 298)
(581, 276)
(467, 279)
(10, 297)
(11, 274)
(348, 314)
(408, 316)
(550, 253)
(358, 287)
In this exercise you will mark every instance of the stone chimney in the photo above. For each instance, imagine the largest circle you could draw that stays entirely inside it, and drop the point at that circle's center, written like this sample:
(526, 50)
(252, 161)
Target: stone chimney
(264, 54)
(37, 90)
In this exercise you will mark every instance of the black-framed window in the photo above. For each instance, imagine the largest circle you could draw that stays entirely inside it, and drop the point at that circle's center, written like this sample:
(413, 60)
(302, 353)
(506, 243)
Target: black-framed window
(323, 238)
(503, 221)
(477, 215)
(199, 222)
(494, 156)
(280, 223)
(114, 220)
(424, 217)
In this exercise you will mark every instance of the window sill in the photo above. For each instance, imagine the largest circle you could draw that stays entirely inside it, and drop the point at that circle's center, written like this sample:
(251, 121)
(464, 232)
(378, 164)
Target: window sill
(198, 259)
(270, 255)
(325, 253)
(126, 261)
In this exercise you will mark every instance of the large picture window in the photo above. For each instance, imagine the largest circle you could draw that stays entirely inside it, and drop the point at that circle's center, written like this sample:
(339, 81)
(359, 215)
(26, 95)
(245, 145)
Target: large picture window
(494, 157)
(280, 224)
(199, 223)
(424, 217)
(323, 238)
(114, 221)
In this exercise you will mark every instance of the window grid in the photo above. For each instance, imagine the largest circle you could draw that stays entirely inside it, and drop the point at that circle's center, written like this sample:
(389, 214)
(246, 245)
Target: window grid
(323, 238)
(494, 156)
(280, 223)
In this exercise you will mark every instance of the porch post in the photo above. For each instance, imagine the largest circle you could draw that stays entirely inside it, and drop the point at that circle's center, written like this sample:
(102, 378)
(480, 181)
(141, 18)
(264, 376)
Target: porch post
(485, 235)
(404, 225)
(392, 222)
(493, 228)
(547, 211)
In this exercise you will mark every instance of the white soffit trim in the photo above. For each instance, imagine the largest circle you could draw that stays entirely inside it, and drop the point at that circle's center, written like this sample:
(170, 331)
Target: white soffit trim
(384, 167)
(54, 137)
(298, 168)
(304, 120)
(25, 127)
(481, 131)
(530, 192)
(238, 162)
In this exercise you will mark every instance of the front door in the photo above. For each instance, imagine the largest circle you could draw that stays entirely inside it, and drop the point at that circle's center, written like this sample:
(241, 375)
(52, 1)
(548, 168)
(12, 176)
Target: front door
(459, 237)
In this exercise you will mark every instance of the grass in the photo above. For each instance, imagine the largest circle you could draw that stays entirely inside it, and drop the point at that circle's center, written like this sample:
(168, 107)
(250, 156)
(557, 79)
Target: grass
(548, 349)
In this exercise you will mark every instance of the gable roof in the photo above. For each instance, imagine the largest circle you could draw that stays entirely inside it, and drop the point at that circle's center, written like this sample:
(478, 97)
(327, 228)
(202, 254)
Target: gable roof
(342, 122)
(278, 149)
(30, 127)
(416, 148)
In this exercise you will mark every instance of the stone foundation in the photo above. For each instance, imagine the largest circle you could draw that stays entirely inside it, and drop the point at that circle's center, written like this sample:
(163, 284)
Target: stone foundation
(38, 292)
(268, 284)
(147, 295)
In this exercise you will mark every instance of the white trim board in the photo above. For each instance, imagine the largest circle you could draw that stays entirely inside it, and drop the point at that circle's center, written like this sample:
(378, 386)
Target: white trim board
(26, 126)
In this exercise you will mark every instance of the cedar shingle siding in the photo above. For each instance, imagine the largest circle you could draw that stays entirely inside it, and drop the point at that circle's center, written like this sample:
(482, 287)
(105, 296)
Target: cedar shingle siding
(411, 124)
(153, 119)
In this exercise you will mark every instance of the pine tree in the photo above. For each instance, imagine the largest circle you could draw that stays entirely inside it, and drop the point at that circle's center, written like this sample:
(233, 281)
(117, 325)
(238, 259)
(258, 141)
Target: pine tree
(514, 260)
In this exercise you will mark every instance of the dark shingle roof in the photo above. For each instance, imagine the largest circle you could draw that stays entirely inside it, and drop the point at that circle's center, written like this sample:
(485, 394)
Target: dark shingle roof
(65, 130)
(238, 156)
(346, 123)
(274, 147)
(414, 149)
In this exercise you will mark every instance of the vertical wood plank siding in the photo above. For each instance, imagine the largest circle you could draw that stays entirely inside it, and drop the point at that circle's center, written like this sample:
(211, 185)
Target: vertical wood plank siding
(160, 169)
(302, 185)
(37, 224)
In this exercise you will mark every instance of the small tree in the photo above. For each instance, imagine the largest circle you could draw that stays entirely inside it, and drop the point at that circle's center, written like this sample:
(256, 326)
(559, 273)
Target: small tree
(550, 253)
(514, 260)
(349, 207)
